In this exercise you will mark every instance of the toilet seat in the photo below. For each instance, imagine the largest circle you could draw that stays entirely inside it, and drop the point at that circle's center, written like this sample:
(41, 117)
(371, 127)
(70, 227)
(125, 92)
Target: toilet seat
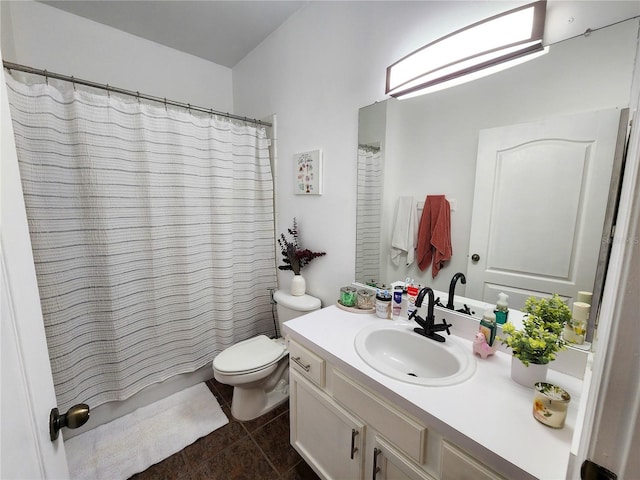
(249, 355)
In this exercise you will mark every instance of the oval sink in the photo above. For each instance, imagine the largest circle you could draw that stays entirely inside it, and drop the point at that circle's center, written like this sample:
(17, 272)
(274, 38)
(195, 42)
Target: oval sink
(395, 350)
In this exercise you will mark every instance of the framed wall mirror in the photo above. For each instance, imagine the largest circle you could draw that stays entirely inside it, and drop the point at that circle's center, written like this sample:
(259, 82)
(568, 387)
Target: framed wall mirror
(429, 145)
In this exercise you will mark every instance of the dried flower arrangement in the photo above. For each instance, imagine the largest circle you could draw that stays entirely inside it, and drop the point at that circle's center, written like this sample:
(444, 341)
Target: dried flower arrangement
(294, 257)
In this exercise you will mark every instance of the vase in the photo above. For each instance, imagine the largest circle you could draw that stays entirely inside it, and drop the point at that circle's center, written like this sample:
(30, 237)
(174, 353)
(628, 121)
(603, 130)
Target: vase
(298, 285)
(528, 376)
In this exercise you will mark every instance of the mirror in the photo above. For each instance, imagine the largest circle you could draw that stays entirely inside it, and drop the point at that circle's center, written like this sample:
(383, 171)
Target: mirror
(429, 144)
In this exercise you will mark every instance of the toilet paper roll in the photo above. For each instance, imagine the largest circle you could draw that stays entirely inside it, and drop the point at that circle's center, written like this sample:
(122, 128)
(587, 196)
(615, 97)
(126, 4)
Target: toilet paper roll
(581, 310)
(584, 297)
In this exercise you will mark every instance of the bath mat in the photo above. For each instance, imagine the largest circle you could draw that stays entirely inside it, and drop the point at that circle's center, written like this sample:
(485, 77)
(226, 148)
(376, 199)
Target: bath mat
(131, 444)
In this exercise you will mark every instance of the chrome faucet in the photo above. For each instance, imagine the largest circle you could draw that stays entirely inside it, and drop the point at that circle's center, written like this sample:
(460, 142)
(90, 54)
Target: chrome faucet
(428, 325)
(452, 288)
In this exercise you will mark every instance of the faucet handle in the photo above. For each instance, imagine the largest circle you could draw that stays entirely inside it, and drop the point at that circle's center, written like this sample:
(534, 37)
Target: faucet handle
(445, 326)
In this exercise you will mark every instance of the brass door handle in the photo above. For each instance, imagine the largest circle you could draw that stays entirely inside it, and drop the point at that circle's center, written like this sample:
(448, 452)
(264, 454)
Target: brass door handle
(75, 417)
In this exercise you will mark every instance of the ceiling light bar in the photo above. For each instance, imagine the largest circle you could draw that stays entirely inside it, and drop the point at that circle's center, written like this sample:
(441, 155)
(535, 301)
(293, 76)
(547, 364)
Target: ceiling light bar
(484, 45)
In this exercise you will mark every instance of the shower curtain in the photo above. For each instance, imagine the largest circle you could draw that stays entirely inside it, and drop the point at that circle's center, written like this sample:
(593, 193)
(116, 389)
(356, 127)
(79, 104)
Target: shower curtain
(152, 233)
(369, 201)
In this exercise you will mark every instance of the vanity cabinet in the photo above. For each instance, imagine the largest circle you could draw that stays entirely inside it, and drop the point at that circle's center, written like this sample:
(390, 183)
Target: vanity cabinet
(346, 431)
(327, 436)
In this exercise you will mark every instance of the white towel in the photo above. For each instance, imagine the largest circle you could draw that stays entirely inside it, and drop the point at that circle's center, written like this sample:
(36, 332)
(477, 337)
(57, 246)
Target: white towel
(404, 235)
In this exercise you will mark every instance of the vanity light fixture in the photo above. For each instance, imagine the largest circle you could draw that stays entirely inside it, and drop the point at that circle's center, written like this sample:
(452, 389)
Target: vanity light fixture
(485, 47)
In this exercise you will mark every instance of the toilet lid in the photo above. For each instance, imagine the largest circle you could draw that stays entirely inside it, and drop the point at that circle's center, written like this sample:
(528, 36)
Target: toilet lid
(248, 355)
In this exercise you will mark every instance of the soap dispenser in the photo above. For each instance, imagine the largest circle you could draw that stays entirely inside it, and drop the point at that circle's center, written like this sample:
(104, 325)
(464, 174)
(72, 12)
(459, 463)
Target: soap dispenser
(488, 326)
(484, 343)
(502, 309)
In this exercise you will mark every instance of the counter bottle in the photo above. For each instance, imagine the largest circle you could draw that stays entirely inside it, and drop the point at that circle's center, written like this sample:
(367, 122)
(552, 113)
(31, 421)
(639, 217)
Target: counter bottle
(502, 309)
(397, 302)
(412, 294)
(488, 326)
(383, 304)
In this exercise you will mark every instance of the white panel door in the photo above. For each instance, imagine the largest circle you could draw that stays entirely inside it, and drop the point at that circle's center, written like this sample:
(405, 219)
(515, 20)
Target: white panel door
(539, 206)
(27, 385)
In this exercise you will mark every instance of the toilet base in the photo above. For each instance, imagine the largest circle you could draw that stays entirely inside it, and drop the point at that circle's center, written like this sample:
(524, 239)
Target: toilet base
(250, 403)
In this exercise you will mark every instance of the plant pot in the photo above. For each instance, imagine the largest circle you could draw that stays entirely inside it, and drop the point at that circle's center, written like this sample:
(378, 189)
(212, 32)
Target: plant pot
(298, 285)
(528, 376)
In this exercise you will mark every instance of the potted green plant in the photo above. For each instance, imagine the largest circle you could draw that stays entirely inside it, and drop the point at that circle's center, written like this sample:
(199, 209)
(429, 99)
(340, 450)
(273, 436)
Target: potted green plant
(295, 257)
(536, 344)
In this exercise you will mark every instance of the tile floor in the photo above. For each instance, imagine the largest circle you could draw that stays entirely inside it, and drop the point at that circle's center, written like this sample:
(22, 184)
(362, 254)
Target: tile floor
(254, 450)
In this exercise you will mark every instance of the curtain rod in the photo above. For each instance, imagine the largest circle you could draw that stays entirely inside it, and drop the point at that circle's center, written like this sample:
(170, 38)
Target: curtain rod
(369, 148)
(45, 73)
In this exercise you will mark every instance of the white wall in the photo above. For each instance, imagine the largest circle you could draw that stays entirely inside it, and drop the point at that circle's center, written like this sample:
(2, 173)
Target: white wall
(315, 72)
(44, 37)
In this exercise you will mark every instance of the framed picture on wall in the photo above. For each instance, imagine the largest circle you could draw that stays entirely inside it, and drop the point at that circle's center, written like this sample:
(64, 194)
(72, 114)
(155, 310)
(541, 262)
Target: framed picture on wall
(308, 173)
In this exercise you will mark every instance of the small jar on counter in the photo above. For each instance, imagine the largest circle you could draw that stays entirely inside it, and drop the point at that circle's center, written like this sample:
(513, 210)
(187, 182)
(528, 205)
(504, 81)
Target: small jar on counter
(348, 296)
(366, 301)
(550, 404)
(383, 304)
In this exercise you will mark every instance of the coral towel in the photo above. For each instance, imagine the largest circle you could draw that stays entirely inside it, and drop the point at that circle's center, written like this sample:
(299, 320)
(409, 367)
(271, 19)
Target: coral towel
(434, 234)
(404, 234)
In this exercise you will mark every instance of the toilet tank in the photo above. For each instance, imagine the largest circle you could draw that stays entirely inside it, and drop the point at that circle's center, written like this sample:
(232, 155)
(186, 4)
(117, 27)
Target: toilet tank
(291, 306)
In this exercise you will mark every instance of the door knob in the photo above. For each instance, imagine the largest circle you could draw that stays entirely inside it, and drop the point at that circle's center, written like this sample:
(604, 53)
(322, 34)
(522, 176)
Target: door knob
(475, 257)
(75, 417)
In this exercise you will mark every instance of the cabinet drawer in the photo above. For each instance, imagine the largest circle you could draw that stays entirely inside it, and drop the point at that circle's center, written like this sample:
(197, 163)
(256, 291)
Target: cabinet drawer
(457, 465)
(407, 434)
(306, 362)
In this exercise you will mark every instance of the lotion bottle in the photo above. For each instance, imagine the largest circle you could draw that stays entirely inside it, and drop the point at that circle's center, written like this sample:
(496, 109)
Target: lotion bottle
(412, 294)
(397, 302)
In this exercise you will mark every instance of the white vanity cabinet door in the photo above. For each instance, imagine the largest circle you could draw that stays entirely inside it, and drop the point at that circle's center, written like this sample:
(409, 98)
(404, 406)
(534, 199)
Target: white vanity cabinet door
(328, 437)
(457, 465)
(388, 463)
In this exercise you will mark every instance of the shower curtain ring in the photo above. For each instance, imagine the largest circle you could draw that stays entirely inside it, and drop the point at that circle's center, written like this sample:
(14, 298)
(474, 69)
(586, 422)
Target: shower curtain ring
(165, 104)
(73, 82)
(138, 96)
(108, 92)
(46, 77)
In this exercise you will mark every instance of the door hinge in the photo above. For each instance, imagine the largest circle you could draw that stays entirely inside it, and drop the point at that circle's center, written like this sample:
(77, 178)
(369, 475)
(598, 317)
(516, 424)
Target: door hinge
(593, 471)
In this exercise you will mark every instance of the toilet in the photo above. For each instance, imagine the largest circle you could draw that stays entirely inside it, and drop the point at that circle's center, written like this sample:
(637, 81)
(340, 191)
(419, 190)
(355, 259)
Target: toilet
(257, 368)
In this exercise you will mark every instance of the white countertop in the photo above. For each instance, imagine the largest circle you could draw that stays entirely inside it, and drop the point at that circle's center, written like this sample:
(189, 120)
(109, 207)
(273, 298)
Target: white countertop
(489, 414)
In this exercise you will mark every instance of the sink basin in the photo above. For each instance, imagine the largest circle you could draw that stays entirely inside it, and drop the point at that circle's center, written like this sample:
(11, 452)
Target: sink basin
(395, 350)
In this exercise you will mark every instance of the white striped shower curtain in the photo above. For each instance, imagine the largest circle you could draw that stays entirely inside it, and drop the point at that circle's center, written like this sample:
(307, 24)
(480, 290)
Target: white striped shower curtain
(369, 201)
(152, 233)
